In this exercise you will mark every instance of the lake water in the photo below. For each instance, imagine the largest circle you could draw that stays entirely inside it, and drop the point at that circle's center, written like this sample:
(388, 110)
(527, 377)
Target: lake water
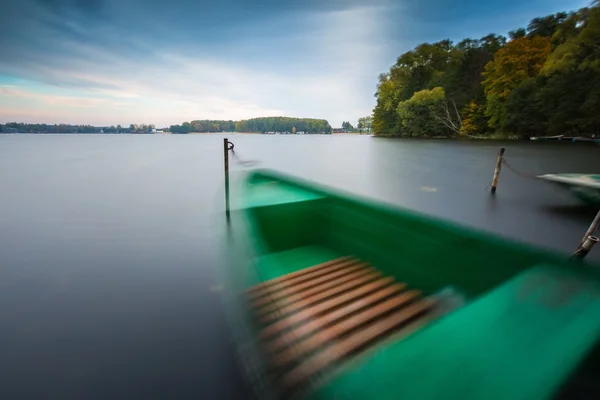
(107, 243)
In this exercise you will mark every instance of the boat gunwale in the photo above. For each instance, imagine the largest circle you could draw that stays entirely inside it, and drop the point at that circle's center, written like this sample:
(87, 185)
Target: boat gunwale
(450, 226)
(570, 180)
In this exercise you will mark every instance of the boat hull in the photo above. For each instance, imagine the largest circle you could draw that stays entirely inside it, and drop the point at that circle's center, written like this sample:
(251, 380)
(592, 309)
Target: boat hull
(585, 187)
(496, 300)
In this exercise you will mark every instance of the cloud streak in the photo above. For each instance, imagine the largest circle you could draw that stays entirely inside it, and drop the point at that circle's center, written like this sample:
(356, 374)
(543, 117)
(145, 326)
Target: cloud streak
(119, 61)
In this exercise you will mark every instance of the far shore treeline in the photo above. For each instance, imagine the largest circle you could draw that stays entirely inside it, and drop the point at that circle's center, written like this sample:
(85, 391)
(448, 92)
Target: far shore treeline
(261, 125)
(542, 80)
(258, 125)
(21, 127)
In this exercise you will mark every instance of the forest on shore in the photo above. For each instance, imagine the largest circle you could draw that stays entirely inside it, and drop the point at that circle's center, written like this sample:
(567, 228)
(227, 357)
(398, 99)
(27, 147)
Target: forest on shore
(283, 124)
(542, 80)
(259, 125)
(24, 127)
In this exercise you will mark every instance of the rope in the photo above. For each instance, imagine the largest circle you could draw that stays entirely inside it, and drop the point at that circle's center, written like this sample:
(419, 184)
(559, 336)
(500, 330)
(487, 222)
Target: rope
(238, 159)
(525, 175)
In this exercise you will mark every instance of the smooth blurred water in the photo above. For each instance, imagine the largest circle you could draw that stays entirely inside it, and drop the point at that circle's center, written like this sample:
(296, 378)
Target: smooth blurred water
(108, 243)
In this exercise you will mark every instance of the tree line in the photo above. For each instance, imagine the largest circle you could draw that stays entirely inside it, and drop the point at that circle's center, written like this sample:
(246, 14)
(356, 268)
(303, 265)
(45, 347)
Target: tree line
(262, 125)
(365, 124)
(203, 126)
(283, 124)
(542, 80)
(22, 127)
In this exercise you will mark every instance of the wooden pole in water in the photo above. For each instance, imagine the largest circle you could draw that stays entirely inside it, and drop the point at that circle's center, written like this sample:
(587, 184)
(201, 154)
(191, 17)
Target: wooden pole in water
(589, 240)
(226, 161)
(592, 229)
(585, 248)
(497, 170)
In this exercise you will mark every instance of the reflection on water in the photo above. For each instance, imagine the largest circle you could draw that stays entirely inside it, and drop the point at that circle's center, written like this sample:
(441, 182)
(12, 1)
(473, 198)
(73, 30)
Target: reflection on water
(107, 243)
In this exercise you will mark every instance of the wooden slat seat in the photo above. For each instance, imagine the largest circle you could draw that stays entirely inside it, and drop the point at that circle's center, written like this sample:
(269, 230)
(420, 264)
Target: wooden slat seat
(300, 301)
(354, 342)
(299, 276)
(317, 284)
(333, 303)
(315, 318)
(327, 335)
(329, 318)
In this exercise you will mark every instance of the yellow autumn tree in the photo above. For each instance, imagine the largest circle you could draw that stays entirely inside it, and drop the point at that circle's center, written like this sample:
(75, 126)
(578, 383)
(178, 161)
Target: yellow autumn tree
(474, 121)
(520, 59)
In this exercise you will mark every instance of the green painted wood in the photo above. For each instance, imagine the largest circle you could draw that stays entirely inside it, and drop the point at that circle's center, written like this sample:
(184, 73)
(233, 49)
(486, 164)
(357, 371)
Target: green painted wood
(262, 193)
(274, 265)
(586, 187)
(299, 224)
(521, 341)
(424, 252)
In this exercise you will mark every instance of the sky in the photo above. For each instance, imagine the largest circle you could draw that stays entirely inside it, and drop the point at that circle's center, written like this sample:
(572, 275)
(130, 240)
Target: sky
(109, 62)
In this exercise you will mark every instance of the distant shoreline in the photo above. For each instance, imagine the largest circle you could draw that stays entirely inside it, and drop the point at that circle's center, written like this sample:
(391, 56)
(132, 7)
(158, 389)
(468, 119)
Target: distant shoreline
(511, 138)
(455, 138)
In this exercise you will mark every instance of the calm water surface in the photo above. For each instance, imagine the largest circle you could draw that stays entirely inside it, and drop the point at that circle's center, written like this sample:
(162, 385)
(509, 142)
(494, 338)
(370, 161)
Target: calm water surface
(108, 243)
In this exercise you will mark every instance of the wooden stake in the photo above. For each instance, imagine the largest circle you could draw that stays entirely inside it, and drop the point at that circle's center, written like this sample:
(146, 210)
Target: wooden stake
(226, 161)
(585, 248)
(497, 170)
(592, 229)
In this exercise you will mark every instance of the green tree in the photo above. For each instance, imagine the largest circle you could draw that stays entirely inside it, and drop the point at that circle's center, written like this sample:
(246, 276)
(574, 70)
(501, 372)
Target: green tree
(384, 114)
(517, 34)
(455, 68)
(283, 124)
(520, 59)
(420, 115)
(462, 80)
(474, 121)
(582, 50)
(546, 26)
(570, 82)
(524, 114)
(365, 123)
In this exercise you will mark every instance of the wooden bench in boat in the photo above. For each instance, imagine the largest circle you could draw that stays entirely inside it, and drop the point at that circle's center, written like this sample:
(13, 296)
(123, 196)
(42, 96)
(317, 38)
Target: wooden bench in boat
(314, 319)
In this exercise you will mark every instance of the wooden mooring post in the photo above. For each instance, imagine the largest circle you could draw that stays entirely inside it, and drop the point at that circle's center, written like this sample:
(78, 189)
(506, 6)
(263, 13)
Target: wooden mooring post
(497, 170)
(589, 240)
(585, 248)
(593, 228)
(226, 163)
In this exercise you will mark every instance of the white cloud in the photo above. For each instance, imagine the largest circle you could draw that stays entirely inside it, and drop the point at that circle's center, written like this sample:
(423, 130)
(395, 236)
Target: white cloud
(12, 92)
(328, 75)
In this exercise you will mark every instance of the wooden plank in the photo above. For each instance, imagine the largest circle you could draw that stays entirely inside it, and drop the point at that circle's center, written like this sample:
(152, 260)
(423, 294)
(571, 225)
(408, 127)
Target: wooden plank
(300, 276)
(303, 302)
(331, 304)
(285, 301)
(323, 321)
(354, 342)
(305, 347)
(311, 283)
(257, 289)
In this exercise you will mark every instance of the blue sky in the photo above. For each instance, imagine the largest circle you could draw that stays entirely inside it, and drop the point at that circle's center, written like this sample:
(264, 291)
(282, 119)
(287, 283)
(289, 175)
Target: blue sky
(105, 62)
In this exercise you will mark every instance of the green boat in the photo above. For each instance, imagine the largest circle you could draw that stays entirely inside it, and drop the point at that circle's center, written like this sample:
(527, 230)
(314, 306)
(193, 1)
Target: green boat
(585, 187)
(335, 297)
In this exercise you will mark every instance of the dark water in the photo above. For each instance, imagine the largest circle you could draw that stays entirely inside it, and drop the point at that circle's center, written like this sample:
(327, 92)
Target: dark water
(107, 243)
